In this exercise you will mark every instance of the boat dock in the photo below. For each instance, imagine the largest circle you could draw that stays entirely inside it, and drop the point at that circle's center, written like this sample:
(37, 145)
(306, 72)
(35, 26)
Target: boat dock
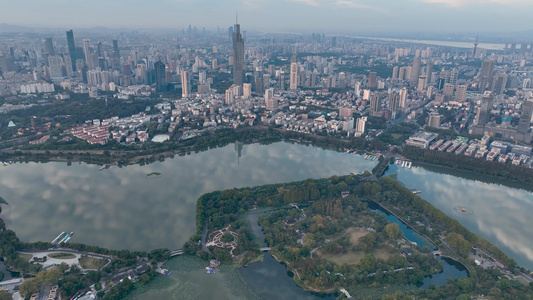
(63, 237)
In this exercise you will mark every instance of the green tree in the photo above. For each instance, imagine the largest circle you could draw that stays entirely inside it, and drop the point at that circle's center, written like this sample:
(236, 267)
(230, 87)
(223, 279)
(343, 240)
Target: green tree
(4, 295)
(29, 287)
(392, 230)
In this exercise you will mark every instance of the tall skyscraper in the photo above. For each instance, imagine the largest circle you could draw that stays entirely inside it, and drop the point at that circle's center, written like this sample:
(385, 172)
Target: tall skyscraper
(525, 117)
(247, 90)
(429, 72)
(238, 56)
(372, 80)
(395, 71)
(49, 46)
(460, 93)
(185, 84)
(116, 55)
(375, 105)
(360, 125)
(56, 70)
(498, 83)
(357, 89)
(415, 69)
(71, 49)
(160, 77)
(485, 75)
(403, 97)
(394, 101)
(421, 83)
(294, 76)
(485, 108)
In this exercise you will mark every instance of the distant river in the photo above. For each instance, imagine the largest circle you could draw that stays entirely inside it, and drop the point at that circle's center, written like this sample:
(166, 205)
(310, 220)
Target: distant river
(121, 208)
(455, 44)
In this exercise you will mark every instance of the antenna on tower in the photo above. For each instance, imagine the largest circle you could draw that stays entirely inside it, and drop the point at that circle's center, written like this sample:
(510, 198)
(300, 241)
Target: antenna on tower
(475, 46)
(236, 18)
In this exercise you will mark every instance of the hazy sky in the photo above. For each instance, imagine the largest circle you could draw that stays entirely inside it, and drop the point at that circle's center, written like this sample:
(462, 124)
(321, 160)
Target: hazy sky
(276, 15)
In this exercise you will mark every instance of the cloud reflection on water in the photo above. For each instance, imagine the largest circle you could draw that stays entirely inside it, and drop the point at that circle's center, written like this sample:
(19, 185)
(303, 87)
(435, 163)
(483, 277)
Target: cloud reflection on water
(502, 214)
(120, 208)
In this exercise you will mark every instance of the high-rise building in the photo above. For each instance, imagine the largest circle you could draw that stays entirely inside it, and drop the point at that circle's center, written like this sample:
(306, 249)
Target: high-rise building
(238, 56)
(498, 83)
(415, 69)
(448, 89)
(49, 46)
(366, 94)
(395, 71)
(345, 112)
(71, 49)
(116, 55)
(434, 120)
(460, 93)
(269, 94)
(485, 75)
(372, 80)
(185, 84)
(294, 76)
(375, 105)
(230, 98)
(357, 89)
(160, 78)
(360, 125)
(429, 72)
(403, 97)
(421, 83)
(401, 73)
(394, 101)
(525, 117)
(56, 68)
(247, 90)
(483, 115)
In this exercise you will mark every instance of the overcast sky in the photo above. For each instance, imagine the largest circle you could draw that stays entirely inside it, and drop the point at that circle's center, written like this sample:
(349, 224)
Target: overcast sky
(276, 15)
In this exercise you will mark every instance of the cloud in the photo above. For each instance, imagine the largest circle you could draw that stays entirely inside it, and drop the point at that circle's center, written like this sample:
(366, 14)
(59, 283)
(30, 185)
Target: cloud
(355, 4)
(308, 2)
(462, 3)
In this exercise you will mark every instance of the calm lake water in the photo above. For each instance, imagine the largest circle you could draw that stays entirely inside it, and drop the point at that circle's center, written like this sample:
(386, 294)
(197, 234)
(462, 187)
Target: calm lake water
(502, 214)
(121, 208)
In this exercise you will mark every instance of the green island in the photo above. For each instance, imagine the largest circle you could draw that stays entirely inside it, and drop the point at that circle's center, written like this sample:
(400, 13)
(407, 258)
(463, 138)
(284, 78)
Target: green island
(329, 239)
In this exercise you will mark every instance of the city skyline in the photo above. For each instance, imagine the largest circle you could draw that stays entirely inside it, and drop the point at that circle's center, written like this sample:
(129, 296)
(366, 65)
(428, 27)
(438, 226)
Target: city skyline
(281, 16)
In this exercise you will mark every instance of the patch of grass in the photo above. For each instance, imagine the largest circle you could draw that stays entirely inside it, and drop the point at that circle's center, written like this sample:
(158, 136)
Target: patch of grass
(25, 256)
(382, 253)
(92, 263)
(350, 258)
(356, 235)
(62, 255)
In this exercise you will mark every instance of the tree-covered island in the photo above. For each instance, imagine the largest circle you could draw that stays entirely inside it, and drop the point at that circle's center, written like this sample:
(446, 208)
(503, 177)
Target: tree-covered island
(325, 233)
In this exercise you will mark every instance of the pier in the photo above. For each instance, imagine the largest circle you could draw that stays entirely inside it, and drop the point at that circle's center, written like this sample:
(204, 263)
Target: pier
(176, 252)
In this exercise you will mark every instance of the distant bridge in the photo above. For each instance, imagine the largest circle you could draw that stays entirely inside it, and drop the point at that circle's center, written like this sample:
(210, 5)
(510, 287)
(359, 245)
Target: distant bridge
(265, 249)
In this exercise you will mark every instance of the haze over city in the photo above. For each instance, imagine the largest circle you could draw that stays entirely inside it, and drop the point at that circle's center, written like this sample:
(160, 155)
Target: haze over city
(255, 149)
(339, 16)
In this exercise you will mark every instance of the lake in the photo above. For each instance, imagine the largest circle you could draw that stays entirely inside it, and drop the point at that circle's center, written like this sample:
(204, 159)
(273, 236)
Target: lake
(501, 214)
(121, 208)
